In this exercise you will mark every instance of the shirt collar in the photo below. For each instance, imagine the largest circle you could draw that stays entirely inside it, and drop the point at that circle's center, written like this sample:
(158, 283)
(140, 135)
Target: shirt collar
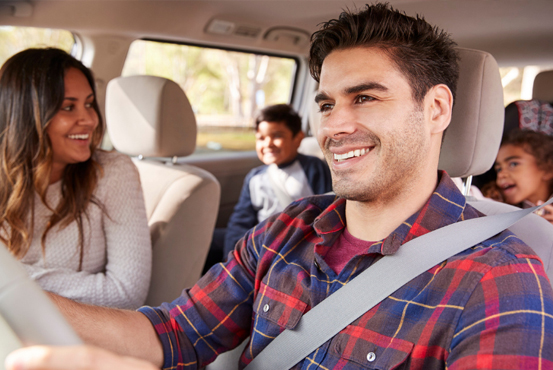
(445, 206)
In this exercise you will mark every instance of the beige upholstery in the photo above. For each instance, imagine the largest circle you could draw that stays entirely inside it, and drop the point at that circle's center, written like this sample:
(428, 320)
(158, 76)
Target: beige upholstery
(473, 138)
(474, 134)
(151, 117)
(543, 86)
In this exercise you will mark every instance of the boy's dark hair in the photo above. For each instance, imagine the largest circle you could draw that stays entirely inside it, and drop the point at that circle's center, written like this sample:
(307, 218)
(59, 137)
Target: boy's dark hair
(282, 113)
(537, 144)
(424, 54)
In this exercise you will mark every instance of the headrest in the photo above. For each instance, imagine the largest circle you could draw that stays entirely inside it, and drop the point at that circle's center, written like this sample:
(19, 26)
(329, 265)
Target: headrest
(543, 86)
(472, 139)
(474, 134)
(149, 116)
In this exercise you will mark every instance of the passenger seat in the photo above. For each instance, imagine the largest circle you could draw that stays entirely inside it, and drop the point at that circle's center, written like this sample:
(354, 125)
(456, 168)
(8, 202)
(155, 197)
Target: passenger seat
(151, 119)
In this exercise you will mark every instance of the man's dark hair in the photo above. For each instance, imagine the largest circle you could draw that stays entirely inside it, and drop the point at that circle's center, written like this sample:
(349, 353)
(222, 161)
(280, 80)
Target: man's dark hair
(424, 54)
(281, 113)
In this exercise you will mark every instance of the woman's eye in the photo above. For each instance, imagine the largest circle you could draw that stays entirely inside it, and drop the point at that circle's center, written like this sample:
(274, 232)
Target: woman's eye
(67, 108)
(89, 105)
(513, 164)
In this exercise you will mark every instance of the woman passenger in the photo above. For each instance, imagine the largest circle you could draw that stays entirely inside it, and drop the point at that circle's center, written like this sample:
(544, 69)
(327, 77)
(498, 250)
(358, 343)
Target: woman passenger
(71, 213)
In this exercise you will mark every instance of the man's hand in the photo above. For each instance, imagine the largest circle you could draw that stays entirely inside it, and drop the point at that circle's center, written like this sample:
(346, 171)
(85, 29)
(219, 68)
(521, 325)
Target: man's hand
(74, 358)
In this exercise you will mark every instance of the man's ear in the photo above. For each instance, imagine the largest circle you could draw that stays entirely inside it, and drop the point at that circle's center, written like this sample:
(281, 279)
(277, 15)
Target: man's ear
(439, 103)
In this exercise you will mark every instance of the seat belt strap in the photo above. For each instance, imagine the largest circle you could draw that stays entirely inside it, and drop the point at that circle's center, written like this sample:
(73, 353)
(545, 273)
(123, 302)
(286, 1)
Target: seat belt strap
(373, 285)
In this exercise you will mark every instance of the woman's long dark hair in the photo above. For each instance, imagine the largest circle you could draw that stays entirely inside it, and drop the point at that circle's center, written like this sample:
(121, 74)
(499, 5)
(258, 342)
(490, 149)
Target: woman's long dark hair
(32, 91)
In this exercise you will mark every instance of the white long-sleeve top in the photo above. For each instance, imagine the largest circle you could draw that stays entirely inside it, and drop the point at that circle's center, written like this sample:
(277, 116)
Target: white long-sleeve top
(117, 255)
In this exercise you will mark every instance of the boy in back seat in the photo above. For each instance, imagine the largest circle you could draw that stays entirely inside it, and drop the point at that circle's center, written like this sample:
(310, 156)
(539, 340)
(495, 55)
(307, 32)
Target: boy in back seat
(286, 175)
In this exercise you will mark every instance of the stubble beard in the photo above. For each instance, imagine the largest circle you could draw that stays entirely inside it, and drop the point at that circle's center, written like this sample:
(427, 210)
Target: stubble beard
(395, 169)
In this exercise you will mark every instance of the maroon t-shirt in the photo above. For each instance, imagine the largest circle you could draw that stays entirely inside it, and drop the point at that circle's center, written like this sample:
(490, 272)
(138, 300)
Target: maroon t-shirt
(346, 247)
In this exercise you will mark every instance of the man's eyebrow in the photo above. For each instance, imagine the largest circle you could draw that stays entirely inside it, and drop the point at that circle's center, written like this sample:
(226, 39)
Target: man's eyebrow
(354, 89)
(320, 97)
(364, 87)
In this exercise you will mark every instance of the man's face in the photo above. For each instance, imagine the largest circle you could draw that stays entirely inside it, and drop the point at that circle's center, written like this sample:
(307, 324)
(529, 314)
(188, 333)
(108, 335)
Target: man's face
(372, 133)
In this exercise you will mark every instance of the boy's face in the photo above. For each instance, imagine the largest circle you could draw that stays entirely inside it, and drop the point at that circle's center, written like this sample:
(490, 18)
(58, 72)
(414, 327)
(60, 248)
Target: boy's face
(519, 177)
(275, 143)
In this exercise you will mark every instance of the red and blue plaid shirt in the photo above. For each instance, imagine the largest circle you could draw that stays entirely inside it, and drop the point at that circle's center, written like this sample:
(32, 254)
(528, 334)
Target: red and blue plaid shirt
(489, 307)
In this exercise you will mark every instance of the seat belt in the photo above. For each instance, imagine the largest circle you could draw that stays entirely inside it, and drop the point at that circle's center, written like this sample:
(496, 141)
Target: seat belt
(381, 279)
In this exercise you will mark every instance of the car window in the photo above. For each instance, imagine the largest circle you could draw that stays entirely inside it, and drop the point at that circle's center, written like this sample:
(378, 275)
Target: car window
(225, 88)
(518, 81)
(16, 39)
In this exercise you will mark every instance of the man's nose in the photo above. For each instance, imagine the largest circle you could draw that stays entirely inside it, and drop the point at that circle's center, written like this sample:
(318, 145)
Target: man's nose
(339, 122)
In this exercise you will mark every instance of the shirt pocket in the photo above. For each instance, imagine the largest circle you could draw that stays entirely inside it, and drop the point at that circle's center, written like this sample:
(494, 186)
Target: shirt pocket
(278, 308)
(370, 349)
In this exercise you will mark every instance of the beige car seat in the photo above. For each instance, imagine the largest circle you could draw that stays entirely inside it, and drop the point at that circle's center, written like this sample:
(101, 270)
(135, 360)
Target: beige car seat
(309, 145)
(473, 138)
(151, 119)
(543, 86)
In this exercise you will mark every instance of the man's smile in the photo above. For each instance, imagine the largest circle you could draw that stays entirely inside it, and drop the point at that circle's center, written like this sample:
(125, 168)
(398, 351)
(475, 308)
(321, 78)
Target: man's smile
(351, 154)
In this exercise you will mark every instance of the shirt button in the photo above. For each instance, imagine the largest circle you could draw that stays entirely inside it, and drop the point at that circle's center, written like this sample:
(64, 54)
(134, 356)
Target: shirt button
(371, 357)
(266, 308)
(316, 264)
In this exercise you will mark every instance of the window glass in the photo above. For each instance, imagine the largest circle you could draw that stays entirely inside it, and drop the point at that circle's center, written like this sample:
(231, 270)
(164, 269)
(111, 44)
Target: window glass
(519, 81)
(16, 39)
(225, 88)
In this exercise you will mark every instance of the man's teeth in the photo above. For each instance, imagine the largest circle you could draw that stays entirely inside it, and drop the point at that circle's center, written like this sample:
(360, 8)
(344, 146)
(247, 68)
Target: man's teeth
(79, 136)
(351, 154)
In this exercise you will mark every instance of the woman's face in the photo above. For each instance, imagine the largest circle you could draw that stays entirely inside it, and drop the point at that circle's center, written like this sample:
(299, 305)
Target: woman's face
(71, 129)
(519, 177)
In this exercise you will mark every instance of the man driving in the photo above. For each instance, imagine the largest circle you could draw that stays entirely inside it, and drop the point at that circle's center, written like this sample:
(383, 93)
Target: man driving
(386, 90)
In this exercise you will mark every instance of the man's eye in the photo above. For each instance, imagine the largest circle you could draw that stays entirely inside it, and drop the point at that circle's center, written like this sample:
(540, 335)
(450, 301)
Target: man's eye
(363, 99)
(323, 108)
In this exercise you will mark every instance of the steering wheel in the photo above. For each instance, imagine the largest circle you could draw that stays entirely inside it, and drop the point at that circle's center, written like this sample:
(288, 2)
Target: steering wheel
(29, 316)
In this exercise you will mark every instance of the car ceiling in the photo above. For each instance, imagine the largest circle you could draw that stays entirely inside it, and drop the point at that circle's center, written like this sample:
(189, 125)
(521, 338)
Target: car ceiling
(516, 32)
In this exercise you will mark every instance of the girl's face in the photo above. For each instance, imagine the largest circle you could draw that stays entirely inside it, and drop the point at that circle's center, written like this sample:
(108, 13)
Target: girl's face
(519, 177)
(70, 131)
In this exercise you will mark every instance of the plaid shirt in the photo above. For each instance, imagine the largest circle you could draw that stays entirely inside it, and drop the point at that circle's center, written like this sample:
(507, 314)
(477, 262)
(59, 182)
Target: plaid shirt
(489, 307)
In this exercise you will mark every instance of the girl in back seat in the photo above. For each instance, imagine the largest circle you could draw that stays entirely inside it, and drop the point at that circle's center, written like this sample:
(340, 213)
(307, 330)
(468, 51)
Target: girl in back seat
(71, 213)
(524, 168)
